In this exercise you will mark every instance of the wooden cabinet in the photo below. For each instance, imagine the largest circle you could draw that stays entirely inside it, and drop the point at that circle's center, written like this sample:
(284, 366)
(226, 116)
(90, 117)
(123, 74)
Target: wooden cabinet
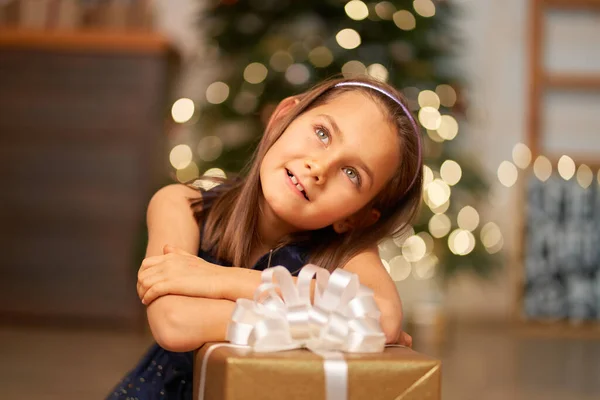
(81, 151)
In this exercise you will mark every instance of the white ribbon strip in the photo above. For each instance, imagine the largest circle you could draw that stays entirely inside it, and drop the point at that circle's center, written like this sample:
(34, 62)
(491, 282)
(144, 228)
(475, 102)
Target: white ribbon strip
(343, 317)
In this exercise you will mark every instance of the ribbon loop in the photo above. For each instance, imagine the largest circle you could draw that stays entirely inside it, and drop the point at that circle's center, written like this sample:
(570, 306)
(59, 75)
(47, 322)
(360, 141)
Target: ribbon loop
(343, 315)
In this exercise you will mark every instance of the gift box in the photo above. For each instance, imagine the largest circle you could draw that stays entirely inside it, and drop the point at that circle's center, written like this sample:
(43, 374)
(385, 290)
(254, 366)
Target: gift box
(226, 372)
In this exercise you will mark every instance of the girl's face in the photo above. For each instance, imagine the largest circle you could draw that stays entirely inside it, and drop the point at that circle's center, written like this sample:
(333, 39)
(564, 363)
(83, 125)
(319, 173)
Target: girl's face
(330, 162)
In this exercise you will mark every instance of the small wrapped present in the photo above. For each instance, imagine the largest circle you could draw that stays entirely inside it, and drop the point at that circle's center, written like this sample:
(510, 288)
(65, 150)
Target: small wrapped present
(283, 346)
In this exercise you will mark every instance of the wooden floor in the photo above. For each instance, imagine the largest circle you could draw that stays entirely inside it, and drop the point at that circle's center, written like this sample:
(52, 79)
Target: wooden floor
(479, 363)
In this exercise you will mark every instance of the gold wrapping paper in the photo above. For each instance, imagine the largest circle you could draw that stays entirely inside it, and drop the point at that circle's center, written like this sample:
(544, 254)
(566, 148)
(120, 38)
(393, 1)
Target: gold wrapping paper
(239, 374)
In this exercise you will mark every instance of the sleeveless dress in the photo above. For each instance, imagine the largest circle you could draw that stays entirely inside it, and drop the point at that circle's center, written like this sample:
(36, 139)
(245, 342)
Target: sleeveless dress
(163, 374)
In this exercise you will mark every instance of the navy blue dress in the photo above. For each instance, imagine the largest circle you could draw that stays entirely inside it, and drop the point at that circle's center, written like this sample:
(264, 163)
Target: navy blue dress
(163, 374)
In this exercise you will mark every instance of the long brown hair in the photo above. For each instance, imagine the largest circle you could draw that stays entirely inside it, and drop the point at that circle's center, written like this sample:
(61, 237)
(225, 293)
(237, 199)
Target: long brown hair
(230, 230)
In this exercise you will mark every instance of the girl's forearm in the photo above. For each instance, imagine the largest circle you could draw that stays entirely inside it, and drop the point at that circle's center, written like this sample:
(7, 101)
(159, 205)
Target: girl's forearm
(181, 323)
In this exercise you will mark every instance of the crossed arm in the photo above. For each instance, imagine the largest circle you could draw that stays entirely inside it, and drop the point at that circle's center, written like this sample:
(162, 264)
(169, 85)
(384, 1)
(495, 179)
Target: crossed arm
(190, 301)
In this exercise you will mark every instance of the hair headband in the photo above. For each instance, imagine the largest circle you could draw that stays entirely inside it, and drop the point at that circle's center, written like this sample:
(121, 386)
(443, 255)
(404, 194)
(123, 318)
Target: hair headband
(408, 115)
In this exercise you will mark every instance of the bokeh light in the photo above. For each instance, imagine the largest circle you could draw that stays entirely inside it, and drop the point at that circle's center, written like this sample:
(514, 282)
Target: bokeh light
(461, 242)
(281, 60)
(424, 8)
(297, 74)
(188, 173)
(255, 73)
(585, 176)
(378, 72)
(439, 225)
(414, 248)
(348, 39)
(180, 156)
(438, 193)
(434, 135)
(357, 10)
(428, 240)
(430, 118)
(385, 10)
(447, 95)
(450, 172)
(542, 168)
(566, 167)
(217, 92)
(209, 148)
(400, 268)
(320, 57)
(427, 175)
(404, 20)
(507, 173)
(425, 268)
(448, 128)
(182, 110)
(491, 237)
(468, 218)
(353, 68)
(521, 155)
(245, 102)
(215, 173)
(428, 98)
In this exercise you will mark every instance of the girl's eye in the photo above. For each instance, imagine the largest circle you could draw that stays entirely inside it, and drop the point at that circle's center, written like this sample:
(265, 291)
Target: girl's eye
(322, 134)
(353, 175)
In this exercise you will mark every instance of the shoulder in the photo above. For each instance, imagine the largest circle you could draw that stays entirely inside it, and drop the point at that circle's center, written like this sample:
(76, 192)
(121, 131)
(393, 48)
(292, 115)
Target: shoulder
(179, 191)
(369, 268)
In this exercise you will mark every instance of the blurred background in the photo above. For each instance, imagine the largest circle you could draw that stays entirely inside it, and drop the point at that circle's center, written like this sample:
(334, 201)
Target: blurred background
(103, 102)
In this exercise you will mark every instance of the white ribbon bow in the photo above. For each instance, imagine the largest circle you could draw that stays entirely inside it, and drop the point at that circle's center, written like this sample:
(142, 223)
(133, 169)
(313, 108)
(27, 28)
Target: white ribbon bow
(343, 316)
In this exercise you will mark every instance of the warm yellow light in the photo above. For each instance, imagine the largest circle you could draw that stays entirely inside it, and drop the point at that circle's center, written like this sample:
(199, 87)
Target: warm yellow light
(357, 10)
(468, 218)
(255, 73)
(188, 173)
(430, 118)
(428, 240)
(450, 172)
(447, 95)
(215, 173)
(378, 72)
(399, 239)
(424, 8)
(209, 148)
(439, 225)
(217, 92)
(353, 68)
(585, 176)
(385, 10)
(491, 237)
(182, 110)
(438, 193)
(461, 242)
(434, 135)
(425, 268)
(427, 176)
(428, 98)
(399, 268)
(404, 20)
(566, 167)
(348, 38)
(521, 155)
(414, 248)
(441, 209)
(180, 156)
(297, 74)
(386, 265)
(507, 173)
(542, 168)
(448, 128)
(320, 57)
(281, 60)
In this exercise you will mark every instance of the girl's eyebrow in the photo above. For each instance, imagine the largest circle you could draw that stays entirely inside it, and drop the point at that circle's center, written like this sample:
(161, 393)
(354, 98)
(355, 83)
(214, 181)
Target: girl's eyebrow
(339, 132)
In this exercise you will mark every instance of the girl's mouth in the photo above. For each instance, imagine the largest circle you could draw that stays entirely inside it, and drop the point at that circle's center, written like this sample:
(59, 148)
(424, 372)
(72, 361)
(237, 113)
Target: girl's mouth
(297, 184)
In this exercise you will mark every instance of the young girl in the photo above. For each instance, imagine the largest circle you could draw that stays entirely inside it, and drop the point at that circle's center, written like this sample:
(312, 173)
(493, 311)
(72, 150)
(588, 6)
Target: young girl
(338, 169)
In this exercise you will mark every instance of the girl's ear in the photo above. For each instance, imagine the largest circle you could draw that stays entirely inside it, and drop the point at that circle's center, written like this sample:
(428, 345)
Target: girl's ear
(367, 219)
(282, 108)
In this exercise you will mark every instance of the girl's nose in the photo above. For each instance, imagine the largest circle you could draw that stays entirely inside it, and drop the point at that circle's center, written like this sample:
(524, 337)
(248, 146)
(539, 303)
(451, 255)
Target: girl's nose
(315, 170)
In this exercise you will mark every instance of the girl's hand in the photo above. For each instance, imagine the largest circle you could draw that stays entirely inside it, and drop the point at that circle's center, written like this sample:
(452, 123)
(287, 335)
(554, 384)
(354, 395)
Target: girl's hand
(404, 339)
(181, 273)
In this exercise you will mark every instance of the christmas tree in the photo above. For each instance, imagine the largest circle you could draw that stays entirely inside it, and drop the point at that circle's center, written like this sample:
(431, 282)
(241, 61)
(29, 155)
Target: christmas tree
(272, 49)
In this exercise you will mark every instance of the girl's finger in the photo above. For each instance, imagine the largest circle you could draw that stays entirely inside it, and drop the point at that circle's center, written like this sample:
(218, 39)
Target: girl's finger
(157, 290)
(148, 281)
(151, 261)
